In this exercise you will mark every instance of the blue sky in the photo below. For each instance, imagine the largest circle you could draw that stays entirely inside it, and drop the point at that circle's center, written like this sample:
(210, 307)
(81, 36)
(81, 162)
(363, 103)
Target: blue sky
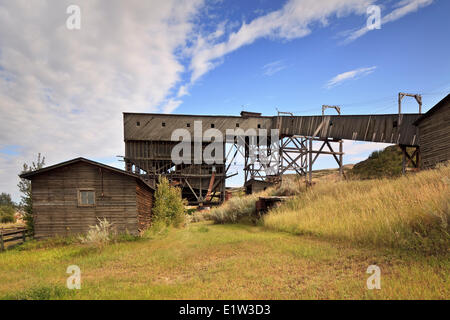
(62, 92)
(410, 55)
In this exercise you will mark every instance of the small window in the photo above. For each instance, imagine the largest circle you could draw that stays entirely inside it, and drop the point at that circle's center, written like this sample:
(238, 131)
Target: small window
(259, 126)
(237, 125)
(163, 124)
(86, 197)
(395, 124)
(188, 125)
(212, 125)
(138, 124)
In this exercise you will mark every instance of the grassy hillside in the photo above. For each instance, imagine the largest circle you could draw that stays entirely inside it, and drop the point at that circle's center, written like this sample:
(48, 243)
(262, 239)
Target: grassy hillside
(411, 212)
(380, 164)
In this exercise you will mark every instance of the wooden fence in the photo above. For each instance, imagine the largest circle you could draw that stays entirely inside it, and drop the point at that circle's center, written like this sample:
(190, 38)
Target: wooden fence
(12, 237)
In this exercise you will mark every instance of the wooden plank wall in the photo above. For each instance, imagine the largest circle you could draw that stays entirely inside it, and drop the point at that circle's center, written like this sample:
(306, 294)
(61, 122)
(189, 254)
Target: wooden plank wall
(151, 127)
(55, 200)
(144, 203)
(373, 128)
(435, 137)
(387, 128)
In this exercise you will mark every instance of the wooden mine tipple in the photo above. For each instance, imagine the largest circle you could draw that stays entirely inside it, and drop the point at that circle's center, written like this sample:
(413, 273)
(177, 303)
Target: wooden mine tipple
(148, 150)
(149, 143)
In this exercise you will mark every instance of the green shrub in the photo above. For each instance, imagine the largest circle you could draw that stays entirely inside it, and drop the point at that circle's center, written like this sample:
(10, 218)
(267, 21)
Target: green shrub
(7, 214)
(24, 185)
(46, 292)
(191, 211)
(169, 206)
(386, 163)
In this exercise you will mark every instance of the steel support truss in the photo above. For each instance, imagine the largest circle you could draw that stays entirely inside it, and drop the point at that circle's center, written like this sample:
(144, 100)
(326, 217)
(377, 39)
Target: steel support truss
(290, 155)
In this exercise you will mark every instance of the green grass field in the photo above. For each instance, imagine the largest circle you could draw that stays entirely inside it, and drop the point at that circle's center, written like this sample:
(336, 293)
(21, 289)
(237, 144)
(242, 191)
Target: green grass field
(316, 246)
(204, 261)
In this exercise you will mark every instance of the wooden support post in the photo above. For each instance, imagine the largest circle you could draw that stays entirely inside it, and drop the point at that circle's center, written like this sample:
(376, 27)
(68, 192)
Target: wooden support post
(24, 235)
(403, 159)
(341, 158)
(200, 198)
(2, 245)
(310, 162)
(223, 191)
(418, 160)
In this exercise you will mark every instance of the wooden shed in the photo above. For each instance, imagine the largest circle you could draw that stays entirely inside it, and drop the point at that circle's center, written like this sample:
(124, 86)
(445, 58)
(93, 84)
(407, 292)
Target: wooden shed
(71, 196)
(434, 134)
(254, 186)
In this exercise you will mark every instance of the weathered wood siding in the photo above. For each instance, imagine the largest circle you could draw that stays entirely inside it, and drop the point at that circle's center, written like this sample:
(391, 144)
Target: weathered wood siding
(385, 128)
(144, 204)
(55, 200)
(434, 137)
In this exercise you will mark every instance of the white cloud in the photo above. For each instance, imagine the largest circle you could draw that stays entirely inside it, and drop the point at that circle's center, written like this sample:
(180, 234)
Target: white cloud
(171, 105)
(182, 91)
(356, 151)
(273, 67)
(402, 8)
(293, 20)
(354, 148)
(63, 92)
(349, 75)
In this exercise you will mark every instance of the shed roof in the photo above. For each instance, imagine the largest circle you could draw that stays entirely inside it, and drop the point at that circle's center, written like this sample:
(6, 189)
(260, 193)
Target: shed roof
(439, 105)
(29, 175)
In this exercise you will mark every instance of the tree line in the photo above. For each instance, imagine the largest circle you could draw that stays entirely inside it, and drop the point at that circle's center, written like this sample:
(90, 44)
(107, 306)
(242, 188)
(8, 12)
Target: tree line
(8, 208)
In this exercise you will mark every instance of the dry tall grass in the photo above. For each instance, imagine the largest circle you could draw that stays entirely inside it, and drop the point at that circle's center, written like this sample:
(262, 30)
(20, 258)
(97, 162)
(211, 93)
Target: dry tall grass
(235, 209)
(410, 212)
(238, 208)
(100, 234)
